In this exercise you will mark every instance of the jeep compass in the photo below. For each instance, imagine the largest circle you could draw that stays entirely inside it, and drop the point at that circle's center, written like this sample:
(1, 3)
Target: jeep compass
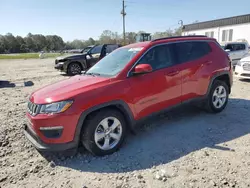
(97, 109)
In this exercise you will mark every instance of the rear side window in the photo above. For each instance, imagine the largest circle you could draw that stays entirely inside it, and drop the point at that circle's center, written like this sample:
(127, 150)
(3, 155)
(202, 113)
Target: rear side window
(189, 51)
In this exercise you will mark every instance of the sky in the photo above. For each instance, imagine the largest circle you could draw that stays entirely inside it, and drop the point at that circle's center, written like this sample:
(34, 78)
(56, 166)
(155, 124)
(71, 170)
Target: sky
(82, 19)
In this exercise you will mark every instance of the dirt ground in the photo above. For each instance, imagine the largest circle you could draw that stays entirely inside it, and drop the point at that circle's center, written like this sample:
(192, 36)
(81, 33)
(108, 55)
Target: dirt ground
(184, 148)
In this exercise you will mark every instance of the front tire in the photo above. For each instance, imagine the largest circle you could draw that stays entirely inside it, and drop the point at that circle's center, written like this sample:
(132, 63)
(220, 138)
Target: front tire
(104, 132)
(74, 69)
(218, 97)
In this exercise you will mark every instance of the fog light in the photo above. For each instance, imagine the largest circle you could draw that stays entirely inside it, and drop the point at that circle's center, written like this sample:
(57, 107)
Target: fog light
(52, 132)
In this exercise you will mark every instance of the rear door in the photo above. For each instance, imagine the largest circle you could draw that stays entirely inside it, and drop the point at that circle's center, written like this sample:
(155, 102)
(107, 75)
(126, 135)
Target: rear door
(192, 57)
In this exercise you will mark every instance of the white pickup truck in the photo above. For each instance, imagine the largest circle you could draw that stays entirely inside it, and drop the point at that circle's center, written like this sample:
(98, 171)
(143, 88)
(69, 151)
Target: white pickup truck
(236, 50)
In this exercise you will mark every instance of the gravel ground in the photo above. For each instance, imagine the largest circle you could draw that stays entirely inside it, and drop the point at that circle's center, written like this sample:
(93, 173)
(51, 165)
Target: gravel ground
(184, 148)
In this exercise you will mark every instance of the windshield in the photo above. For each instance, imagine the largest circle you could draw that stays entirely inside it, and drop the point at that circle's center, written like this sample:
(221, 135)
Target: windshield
(86, 49)
(96, 49)
(113, 63)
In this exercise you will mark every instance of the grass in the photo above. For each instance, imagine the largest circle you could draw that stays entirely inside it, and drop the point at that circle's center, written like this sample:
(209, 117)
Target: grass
(28, 56)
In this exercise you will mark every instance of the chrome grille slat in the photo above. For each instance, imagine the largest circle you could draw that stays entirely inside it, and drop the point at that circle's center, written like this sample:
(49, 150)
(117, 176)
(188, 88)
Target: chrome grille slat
(33, 108)
(246, 66)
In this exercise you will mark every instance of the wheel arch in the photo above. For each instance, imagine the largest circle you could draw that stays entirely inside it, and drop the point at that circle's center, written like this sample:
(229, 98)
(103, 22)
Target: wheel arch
(119, 105)
(222, 76)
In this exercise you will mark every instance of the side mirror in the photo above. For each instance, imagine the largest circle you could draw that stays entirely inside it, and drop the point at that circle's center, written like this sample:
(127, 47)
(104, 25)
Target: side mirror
(142, 69)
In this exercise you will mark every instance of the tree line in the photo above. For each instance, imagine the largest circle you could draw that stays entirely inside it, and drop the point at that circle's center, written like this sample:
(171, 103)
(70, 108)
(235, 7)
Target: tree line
(37, 42)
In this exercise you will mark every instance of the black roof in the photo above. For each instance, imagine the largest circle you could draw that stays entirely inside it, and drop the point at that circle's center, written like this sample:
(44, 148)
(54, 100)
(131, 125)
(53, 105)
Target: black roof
(218, 23)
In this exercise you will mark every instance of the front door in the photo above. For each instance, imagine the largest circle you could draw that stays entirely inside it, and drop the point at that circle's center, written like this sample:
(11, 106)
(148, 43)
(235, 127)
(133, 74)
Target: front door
(159, 89)
(94, 55)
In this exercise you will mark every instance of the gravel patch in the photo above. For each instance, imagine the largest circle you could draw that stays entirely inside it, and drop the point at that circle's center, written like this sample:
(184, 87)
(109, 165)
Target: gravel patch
(184, 148)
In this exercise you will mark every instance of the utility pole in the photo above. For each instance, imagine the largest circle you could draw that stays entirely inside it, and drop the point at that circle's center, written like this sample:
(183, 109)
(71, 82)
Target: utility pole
(181, 23)
(123, 13)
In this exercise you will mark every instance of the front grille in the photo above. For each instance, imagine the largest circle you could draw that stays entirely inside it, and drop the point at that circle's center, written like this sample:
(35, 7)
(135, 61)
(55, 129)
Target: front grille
(246, 66)
(246, 75)
(33, 108)
(56, 61)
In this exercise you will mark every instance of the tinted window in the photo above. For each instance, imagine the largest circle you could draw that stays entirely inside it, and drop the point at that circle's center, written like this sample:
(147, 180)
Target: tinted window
(96, 49)
(235, 47)
(158, 57)
(189, 51)
(111, 48)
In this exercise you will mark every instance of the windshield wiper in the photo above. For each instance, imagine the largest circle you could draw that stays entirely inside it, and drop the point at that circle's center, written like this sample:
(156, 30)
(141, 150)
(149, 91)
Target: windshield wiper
(92, 74)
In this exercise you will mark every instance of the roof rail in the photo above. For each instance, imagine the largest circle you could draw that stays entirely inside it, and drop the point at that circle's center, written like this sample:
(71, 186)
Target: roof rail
(179, 37)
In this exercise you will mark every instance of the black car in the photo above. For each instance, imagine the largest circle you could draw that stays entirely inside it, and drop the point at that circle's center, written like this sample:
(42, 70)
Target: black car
(74, 64)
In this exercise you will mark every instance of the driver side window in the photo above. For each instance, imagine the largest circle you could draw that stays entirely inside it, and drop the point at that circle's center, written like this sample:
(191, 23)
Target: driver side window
(158, 57)
(96, 50)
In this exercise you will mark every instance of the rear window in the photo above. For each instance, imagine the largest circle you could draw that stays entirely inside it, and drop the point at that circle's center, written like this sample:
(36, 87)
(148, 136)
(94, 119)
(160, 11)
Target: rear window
(189, 51)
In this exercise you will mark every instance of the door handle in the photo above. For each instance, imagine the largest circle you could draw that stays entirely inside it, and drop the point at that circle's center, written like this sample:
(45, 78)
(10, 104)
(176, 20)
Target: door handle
(206, 63)
(173, 73)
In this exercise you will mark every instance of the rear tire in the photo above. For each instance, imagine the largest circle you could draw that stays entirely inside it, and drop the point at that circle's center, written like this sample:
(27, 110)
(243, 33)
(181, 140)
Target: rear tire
(218, 97)
(104, 132)
(74, 69)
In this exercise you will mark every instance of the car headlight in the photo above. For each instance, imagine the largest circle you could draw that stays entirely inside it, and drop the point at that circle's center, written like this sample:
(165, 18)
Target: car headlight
(62, 60)
(55, 108)
(239, 63)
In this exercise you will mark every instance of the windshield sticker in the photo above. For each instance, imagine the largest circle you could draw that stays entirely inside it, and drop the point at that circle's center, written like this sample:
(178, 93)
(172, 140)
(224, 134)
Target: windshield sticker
(135, 49)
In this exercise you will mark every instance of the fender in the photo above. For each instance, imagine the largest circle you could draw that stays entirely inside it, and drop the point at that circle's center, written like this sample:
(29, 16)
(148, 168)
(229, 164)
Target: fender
(123, 106)
(216, 75)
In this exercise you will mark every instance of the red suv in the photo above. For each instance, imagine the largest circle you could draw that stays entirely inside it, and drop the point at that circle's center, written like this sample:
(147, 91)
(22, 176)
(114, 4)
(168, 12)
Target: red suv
(97, 108)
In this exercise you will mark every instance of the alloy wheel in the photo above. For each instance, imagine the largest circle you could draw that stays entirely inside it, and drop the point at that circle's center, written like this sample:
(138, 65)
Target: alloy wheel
(219, 97)
(108, 133)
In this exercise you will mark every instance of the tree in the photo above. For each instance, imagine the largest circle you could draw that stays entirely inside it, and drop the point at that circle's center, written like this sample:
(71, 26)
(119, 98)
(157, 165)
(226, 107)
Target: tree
(91, 41)
(29, 43)
(77, 44)
(3, 43)
(11, 43)
(21, 44)
(130, 37)
(108, 37)
(38, 42)
(178, 31)
(54, 43)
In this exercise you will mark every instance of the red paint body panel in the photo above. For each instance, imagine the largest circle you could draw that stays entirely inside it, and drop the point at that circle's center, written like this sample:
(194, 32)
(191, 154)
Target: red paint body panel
(144, 94)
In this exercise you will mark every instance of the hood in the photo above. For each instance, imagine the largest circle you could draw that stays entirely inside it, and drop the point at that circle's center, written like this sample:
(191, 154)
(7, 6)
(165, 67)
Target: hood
(67, 89)
(72, 56)
(246, 58)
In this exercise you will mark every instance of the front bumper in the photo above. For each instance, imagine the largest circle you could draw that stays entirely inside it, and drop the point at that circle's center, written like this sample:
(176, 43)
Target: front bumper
(41, 146)
(52, 132)
(241, 73)
(59, 66)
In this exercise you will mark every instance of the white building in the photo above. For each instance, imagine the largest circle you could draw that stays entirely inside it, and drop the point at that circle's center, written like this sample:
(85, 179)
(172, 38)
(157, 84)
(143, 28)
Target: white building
(224, 30)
